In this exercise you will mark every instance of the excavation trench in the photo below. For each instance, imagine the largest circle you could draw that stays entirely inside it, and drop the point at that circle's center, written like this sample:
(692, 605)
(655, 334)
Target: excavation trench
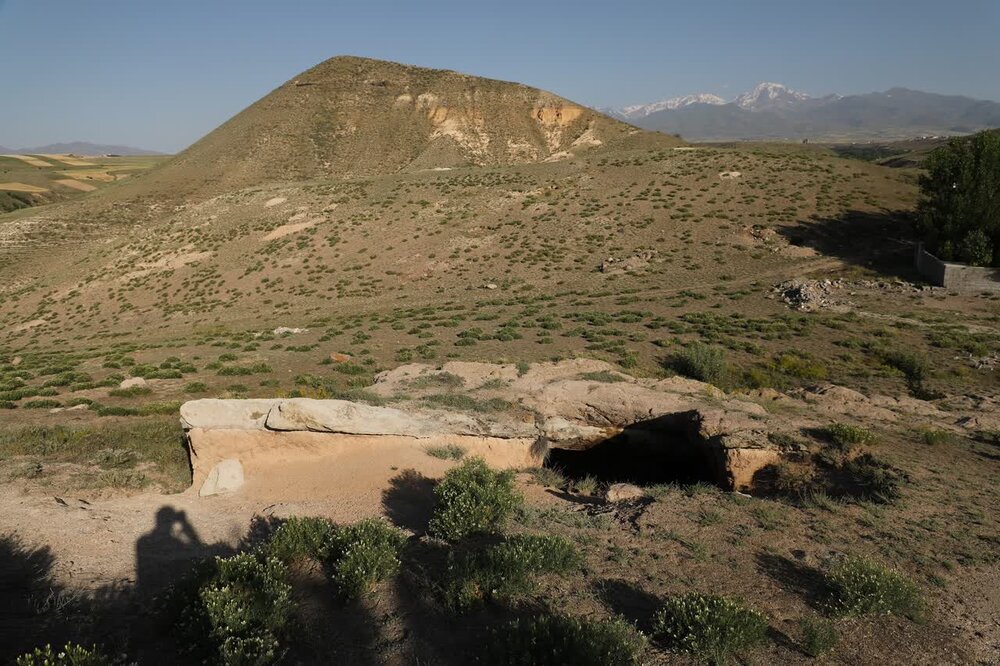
(666, 449)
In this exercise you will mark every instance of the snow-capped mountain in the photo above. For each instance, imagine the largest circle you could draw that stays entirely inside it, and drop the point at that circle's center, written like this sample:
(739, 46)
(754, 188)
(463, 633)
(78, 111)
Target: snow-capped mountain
(770, 97)
(764, 97)
(643, 110)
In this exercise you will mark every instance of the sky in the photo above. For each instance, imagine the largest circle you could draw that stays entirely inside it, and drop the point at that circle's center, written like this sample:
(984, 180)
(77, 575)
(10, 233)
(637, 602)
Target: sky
(159, 74)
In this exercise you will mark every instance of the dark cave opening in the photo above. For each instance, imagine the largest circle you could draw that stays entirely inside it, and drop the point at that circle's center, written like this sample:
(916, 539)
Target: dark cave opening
(656, 451)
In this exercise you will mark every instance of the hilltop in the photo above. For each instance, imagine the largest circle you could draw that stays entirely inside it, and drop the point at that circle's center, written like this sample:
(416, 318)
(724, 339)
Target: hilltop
(352, 117)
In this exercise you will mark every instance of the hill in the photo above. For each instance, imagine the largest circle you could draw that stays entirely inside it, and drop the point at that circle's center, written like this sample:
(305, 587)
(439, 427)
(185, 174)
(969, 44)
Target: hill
(353, 117)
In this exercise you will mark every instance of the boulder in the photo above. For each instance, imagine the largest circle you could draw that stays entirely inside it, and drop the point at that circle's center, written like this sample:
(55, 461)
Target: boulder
(225, 477)
(623, 492)
(132, 382)
(211, 413)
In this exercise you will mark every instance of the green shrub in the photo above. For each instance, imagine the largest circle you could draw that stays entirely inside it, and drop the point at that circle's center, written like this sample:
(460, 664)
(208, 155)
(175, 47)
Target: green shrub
(300, 538)
(70, 655)
(505, 570)
(860, 586)
(559, 640)
(361, 555)
(709, 627)
(702, 362)
(195, 387)
(447, 452)
(473, 499)
(846, 436)
(819, 636)
(41, 404)
(239, 610)
(933, 437)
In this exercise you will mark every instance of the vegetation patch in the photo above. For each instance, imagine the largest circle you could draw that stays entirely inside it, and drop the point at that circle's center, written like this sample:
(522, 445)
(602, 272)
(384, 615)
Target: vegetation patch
(473, 499)
(560, 640)
(709, 627)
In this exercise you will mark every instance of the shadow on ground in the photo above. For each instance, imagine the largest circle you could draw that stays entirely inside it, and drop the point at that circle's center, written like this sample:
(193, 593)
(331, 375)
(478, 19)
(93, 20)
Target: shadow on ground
(879, 241)
(409, 500)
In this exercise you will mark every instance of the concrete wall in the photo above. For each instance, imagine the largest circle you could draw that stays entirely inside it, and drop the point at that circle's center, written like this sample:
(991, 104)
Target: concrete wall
(959, 277)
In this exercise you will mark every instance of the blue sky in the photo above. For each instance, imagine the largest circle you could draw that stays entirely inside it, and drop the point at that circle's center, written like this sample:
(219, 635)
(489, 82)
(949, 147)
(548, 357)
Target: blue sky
(161, 73)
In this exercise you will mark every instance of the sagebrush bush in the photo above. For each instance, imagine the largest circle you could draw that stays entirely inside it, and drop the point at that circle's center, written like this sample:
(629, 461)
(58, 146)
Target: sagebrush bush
(560, 640)
(300, 538)
(874, 479)
(819, 636)
(506, 569)
(702, 362)
(846, 436)
(473, 499)
(363, 554)
(860, 586)
(70, 655)
(709, 627)
(933, 437)
(239, 610)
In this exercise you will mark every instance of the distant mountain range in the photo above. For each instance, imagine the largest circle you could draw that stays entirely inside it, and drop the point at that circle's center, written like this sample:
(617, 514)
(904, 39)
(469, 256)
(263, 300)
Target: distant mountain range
(79, 148)
(774, 111)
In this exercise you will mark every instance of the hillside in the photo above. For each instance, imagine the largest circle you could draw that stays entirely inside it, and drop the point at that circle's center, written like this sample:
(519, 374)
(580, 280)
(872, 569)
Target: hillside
(354, 117)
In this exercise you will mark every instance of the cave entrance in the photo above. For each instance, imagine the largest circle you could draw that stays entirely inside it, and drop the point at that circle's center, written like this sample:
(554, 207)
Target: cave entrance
(661, 450)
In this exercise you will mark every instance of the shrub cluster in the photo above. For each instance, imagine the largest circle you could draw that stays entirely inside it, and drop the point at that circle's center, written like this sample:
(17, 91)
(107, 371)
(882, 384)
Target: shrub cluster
(702, 362)
(359, 556)
(505, 570)
(846, 436)
(860, 586)
(558, 640)
(70, 655)
(239, 610)
(709, 627)
(473, 499)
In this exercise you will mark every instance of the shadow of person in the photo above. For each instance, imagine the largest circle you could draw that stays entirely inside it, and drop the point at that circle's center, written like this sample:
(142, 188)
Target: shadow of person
(166, 552)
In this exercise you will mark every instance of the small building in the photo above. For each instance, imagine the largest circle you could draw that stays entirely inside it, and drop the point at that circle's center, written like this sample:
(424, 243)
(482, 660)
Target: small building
(953, 275)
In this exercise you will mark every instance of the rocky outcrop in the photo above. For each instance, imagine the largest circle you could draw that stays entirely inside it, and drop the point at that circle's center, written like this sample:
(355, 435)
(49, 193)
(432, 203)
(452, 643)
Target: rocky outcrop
(573, 405)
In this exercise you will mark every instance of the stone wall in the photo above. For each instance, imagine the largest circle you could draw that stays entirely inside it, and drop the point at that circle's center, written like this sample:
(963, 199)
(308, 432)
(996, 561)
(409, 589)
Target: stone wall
(959, 277)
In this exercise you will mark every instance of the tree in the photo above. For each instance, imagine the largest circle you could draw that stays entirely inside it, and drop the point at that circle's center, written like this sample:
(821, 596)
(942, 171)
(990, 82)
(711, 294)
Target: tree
(959, 213)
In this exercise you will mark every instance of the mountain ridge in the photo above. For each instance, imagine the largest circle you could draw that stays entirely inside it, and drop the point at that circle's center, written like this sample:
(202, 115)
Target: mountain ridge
(774, 111)
(81, 148)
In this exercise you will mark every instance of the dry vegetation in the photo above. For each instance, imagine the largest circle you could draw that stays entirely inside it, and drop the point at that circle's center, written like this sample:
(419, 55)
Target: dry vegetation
(632, 252)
